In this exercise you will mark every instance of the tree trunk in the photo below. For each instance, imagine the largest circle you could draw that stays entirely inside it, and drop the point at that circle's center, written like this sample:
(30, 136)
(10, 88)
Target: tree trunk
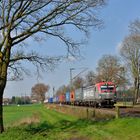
(1, 113)
(3, 80)
(138, 86)
(2, 87)
(136, 90)
(4, 62)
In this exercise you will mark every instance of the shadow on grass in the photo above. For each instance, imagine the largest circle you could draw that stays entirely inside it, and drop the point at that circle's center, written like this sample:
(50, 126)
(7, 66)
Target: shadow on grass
(61, 126)
(39, 128)
(64, 129)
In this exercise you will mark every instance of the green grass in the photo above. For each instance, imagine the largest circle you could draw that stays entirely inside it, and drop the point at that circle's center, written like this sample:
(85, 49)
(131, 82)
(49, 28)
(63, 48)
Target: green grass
(57, 126)
(14, 113)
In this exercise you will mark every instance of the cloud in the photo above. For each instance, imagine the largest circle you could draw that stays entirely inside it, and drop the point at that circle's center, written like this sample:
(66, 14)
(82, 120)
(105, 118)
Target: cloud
(71, 58)
(118, 47)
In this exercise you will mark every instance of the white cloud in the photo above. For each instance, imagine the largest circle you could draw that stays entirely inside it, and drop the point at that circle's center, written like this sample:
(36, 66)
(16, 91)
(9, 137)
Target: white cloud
(118, 47)
(71, 58)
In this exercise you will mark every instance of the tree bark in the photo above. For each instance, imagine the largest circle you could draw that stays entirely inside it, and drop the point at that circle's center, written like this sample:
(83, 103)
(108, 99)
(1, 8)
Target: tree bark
(135, 85)
(136, 90)
(2, 87)
(1, 112)
(3, 80)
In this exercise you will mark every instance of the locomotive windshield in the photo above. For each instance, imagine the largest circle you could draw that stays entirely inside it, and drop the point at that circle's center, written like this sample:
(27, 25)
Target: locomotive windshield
(107, 87)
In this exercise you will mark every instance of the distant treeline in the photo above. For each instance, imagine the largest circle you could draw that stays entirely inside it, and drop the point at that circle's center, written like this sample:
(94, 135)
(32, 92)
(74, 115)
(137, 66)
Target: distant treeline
(17, 100)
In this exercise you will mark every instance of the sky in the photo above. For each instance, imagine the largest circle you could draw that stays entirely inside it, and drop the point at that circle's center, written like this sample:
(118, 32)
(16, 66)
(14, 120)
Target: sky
(117, 15)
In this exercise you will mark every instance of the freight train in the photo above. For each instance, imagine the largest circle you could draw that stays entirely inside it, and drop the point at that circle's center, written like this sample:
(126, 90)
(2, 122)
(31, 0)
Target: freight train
(100, 94)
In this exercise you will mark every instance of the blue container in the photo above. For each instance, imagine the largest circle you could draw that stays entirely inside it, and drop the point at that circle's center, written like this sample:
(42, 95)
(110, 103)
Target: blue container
(57, 99)
(67, 96)
(50, 100)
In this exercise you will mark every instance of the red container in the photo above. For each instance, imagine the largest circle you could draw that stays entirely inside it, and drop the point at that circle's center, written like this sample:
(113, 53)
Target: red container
(62, 98)
(72, 96)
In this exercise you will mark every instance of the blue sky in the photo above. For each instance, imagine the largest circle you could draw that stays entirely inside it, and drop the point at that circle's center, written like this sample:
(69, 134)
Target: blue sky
(116, 16)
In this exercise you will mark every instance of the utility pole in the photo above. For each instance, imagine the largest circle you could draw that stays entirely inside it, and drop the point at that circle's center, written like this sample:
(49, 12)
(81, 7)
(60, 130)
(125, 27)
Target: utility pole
(71, 76)
(71, 69)
(53, 91)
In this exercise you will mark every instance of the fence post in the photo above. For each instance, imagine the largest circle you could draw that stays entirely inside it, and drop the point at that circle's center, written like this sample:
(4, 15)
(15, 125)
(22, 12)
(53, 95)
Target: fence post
(93, 114)
(117, 111)
(87, 113)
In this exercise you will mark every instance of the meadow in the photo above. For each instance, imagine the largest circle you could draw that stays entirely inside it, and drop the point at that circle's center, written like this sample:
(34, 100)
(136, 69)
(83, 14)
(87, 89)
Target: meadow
(37, 122)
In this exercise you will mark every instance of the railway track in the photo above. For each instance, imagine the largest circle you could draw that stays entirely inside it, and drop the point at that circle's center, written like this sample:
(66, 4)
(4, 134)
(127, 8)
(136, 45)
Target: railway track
(82, 109)
(124, 112)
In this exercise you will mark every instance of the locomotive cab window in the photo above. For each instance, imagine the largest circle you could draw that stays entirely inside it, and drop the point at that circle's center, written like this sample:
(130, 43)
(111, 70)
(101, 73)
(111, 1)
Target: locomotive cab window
(110, 87)
(107, 87)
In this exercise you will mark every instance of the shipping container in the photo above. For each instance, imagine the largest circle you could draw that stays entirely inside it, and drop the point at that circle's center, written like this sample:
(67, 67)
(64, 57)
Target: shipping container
(57, 99)
(67, 96)
(89, 93)
(79, 94)
(50, 100)
(62, 98)
(54, 99)
(72, 96)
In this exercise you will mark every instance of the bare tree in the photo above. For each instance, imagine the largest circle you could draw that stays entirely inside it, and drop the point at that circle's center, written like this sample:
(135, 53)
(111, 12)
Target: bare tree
(38, 92)
(78, 82)
(61, 90)
(22, 19)
(135, 27)
(130, 51)
(110, 69)
(90, 78)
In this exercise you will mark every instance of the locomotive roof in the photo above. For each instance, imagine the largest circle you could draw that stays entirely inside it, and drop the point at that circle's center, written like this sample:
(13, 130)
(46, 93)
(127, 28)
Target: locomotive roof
(105, 83)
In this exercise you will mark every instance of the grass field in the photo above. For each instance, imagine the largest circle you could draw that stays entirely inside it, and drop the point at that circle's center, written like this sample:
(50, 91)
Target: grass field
(36, 122)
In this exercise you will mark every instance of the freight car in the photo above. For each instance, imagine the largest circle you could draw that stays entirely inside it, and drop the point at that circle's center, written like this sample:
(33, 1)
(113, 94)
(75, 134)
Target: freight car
(100, 94)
